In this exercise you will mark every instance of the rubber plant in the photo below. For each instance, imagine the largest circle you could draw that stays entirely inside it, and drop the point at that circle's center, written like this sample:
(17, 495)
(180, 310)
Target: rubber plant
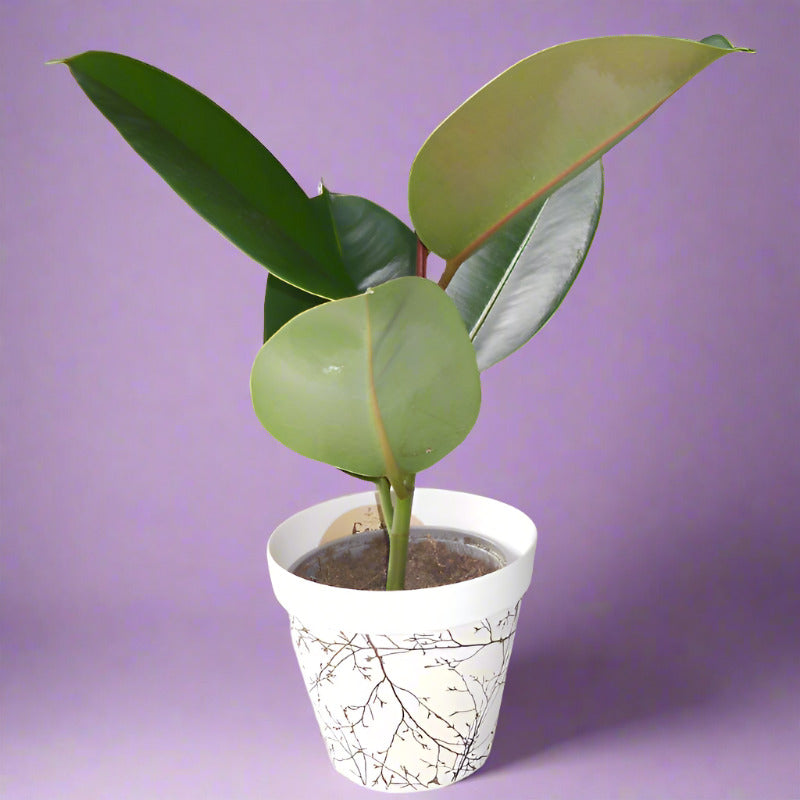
(366, 364)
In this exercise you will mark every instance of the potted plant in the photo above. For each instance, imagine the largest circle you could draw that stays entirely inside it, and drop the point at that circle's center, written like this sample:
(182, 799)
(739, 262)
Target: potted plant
(369, 366)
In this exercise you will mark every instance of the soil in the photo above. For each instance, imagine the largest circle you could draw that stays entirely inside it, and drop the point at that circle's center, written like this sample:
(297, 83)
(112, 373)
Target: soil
(436, 557)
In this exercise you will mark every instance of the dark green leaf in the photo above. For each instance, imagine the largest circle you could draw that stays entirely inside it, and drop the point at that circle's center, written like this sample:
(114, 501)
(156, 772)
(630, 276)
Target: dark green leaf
(217, 167)
(718, 40)
(510, 287)
(374, 245)
(282, 301)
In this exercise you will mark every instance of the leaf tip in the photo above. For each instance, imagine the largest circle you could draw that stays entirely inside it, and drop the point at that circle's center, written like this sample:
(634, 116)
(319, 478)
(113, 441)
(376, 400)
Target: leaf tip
(55, 61)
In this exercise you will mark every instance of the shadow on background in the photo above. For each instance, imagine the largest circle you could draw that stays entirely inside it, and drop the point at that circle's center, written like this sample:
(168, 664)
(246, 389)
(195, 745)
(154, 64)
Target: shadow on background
(685, 632)
(565, 693)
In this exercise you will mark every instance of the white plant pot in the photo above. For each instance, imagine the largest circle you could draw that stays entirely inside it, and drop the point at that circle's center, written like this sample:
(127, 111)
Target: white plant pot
(406, 686)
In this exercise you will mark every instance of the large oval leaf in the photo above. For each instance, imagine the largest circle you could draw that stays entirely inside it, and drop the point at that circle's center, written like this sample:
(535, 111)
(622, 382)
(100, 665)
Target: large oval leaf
(375, 247)
(513, 284)
(217, 167)
(384, 383)
(544, 119)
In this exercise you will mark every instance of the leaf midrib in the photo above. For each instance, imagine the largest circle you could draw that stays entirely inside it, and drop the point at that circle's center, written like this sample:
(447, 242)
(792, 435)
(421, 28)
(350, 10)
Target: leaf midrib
(506, 275)
(393, 472)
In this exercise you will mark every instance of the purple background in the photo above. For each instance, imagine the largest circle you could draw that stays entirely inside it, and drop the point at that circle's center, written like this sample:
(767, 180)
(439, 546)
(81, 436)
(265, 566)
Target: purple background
(651, 430)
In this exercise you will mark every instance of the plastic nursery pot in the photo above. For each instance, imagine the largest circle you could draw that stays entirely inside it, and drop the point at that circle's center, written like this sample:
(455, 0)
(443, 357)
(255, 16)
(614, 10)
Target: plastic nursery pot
(406, 686)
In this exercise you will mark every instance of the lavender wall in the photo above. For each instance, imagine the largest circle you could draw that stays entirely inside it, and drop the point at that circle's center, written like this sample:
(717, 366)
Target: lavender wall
(651, 429)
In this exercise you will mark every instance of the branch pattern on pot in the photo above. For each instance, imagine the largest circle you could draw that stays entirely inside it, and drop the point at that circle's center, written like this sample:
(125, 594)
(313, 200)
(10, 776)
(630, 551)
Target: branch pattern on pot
(387, 702)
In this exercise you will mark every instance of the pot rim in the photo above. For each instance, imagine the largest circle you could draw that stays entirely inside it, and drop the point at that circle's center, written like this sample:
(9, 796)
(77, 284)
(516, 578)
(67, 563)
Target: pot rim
(411, 610)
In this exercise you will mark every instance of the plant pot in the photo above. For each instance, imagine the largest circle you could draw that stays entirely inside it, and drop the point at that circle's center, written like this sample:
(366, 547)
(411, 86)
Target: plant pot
(406, 686)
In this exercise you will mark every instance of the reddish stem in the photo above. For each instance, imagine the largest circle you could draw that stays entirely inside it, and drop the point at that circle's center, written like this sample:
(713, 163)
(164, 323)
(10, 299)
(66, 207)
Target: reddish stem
(422, 259)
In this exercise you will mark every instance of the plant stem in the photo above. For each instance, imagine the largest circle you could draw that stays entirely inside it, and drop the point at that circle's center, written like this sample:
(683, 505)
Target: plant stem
(385, 494)
(398, 540)
(422, 259)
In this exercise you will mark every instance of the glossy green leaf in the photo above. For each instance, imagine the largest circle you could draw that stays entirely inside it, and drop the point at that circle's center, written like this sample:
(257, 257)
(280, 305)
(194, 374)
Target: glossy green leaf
(526, 132)
(384, 383)
(374, 244)
(217, 167)
(512, 285)
(375, 247)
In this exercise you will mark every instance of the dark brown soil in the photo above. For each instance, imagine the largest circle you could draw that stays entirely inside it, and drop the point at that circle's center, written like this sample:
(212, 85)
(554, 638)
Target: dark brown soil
(436, 557)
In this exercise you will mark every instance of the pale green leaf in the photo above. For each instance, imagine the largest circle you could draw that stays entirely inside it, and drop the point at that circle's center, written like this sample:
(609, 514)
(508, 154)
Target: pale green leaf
(526, 132)
(384, 383)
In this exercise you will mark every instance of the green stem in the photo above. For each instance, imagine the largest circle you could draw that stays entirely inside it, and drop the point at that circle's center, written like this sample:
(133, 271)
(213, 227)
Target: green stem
(385, 494)
(398, 538)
